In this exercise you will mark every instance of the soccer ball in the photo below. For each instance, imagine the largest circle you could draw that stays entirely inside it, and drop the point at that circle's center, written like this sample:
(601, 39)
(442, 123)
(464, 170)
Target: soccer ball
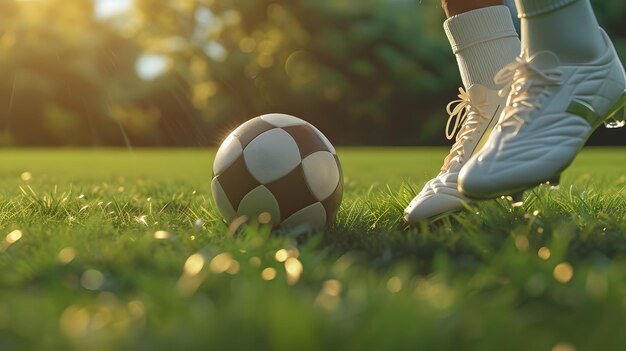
(280, 169)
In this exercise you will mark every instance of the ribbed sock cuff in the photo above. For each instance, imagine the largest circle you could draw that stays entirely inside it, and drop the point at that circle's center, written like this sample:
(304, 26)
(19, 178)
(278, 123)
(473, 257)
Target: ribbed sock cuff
(530, 8)
(478, 26)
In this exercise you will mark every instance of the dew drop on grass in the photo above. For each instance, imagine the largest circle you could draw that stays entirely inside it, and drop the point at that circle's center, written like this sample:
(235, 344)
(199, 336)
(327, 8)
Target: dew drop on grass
(26, 176)
(162, 235)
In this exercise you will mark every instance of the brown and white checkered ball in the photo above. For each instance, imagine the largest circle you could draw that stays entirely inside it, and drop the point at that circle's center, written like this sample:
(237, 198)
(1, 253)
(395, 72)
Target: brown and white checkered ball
(281, 165)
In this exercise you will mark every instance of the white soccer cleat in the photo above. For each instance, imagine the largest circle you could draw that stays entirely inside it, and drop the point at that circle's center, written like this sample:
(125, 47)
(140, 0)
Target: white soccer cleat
(551, 111)
(473, 115)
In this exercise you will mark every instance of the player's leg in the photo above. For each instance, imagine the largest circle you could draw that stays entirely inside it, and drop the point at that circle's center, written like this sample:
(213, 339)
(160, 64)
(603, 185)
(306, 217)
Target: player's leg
(571, 31)
(567, 81)
(482, 37)
(483, 40)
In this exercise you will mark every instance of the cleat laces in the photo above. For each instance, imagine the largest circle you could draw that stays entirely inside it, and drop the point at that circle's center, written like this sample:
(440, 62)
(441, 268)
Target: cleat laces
(525, 83)
(467, 117)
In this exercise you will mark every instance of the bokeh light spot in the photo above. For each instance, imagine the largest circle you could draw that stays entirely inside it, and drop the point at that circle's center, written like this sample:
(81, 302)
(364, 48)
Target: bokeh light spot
(332, 287)
(301, 67)
(563, 346)
(281, 255)
(151, 66)
(521, 242)
(268, 273)
(14, 236)
(66, 255)
(294, 269)
(221, 263)
(92, 279)
(544, 253)
(563, 272)
(394, 284)
(194, 264)
(26, 176)
(162, 235)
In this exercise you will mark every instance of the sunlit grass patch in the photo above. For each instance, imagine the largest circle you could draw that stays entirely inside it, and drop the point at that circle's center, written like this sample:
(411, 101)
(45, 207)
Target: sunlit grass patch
(140, 259)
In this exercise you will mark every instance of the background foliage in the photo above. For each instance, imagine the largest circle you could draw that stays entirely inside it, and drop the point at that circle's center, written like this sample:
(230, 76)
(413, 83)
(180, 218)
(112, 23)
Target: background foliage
(364, 71)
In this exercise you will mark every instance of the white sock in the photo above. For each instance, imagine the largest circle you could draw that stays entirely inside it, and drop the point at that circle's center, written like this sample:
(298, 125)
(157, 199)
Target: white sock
(484, 41)
(566, 27)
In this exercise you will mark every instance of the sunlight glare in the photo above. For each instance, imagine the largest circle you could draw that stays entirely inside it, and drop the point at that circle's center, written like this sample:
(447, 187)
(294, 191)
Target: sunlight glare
(150, 66)
(104, 9)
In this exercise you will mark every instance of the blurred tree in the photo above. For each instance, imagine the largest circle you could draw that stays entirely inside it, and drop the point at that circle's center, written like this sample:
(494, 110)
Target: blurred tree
(352, 67)
(71, 80)
(52, 61)
(185, 72)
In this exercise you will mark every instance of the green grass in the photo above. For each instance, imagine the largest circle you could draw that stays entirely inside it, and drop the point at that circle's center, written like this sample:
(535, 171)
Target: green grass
(89, 274)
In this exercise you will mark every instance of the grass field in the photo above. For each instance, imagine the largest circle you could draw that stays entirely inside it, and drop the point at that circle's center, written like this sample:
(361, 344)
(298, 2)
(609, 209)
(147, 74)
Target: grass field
(119, 250)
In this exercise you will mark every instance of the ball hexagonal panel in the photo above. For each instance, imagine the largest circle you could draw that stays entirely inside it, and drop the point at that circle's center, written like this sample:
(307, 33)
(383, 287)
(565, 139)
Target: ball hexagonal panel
(258, 201)
(314, 215)
(250, 130)
(292, 192)
(221, 201)
(330, 146)
(321, 173)
(307, 139)
(332, 203)
(282, 120)
(226, 155)
(271, 155)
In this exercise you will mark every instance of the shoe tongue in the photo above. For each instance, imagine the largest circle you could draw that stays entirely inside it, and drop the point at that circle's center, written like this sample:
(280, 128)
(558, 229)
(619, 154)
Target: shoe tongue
(477, 94)
(544, 60)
